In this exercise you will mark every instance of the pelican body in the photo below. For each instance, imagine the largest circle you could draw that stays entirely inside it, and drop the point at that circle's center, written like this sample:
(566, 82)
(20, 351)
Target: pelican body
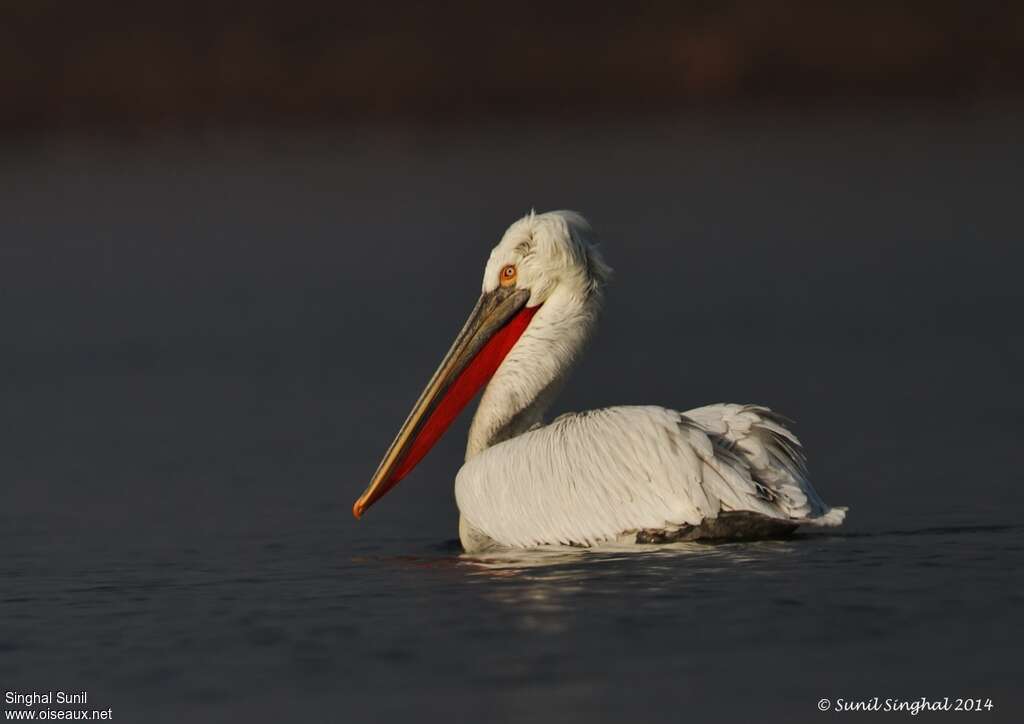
(640, 474)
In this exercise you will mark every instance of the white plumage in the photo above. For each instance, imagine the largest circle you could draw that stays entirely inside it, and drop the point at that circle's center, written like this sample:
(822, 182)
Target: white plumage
(624, 474)
(608, 474)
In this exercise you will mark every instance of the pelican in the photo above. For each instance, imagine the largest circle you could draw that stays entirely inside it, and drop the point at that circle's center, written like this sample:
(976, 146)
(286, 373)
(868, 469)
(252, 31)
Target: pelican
(639, 474)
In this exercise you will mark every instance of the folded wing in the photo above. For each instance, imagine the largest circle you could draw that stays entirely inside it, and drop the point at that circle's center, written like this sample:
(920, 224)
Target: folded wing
(600, 475)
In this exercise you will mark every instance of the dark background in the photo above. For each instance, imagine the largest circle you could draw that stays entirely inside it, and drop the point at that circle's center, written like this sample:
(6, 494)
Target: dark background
(234, 244)
(104, 66)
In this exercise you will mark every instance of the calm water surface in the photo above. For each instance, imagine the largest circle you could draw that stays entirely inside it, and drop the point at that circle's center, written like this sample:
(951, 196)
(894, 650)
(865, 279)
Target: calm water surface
(209, 344)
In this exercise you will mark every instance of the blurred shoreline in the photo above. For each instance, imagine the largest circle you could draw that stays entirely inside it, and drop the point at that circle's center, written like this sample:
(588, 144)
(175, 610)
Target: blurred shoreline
(117, 68)
(410, 134)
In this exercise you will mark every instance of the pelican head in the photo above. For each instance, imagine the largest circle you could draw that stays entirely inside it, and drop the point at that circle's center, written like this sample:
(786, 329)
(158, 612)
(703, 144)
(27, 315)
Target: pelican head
(548, 252)
(540, 295)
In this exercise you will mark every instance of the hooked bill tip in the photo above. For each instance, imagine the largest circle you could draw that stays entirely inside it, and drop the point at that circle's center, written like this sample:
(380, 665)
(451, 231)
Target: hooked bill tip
(357, 509)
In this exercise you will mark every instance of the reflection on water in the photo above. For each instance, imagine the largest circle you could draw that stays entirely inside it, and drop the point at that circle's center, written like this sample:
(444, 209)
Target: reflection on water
(609, 553)
(554, 624)
(541, 587)
(545, 591)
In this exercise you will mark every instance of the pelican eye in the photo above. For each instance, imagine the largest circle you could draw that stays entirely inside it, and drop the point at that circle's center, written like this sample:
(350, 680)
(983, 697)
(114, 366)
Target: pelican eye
(507, 277)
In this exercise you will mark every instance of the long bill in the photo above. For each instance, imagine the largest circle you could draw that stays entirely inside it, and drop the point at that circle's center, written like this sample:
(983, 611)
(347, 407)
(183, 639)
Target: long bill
(495, 324)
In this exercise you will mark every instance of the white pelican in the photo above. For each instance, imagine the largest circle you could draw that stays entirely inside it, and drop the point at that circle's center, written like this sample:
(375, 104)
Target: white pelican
(622, 474)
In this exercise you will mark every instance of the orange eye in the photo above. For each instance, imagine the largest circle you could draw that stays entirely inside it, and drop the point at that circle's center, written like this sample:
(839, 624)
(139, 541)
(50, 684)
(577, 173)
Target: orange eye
(508, 275)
